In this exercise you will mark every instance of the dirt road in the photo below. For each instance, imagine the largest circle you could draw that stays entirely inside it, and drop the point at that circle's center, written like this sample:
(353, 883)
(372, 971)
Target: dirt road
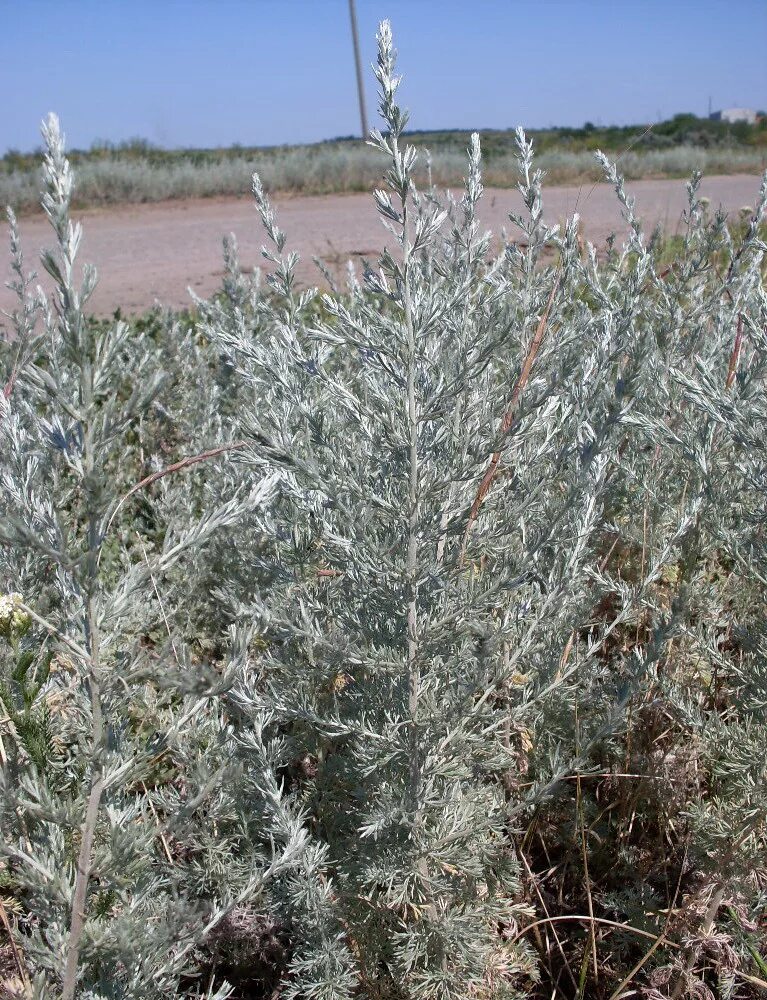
(154, 253)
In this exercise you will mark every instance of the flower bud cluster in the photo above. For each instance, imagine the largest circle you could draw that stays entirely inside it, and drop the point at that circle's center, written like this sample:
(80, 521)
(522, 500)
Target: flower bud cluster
(14, 622)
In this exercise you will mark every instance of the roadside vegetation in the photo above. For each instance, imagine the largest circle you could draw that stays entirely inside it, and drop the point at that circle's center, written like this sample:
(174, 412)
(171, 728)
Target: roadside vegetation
(138, 172)
(404, 642)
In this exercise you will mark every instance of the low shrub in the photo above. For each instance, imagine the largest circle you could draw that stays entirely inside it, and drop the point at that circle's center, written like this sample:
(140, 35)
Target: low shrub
(404, 641)
(329, 168)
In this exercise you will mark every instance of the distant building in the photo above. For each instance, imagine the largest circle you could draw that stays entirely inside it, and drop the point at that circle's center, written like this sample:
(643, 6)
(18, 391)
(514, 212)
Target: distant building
(733, 115)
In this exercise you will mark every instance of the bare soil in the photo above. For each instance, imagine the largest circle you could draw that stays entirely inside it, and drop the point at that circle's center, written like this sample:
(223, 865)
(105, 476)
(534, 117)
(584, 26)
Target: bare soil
(150, 254)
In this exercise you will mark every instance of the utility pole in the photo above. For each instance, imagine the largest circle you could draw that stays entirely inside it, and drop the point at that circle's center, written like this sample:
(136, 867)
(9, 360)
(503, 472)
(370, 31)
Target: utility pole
(358, 67)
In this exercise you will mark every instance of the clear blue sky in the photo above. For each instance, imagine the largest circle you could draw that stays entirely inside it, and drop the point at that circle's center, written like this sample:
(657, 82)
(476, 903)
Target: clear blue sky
(215, 72)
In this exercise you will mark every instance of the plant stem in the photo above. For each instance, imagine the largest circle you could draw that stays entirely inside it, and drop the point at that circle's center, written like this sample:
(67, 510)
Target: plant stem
(91, 817)
(93, 680)
(413, 520)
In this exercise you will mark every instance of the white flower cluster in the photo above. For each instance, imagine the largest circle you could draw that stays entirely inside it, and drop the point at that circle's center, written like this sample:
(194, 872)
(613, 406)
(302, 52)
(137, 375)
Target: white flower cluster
(13, 621)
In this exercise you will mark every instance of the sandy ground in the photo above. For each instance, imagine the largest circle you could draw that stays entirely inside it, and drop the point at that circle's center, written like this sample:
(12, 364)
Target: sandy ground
(148, 254)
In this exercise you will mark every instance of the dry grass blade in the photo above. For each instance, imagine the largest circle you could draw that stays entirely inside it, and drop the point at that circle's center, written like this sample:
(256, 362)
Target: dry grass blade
(615, 995)
(618, 158)
(587, 878)
(754, 980)
(586, 919)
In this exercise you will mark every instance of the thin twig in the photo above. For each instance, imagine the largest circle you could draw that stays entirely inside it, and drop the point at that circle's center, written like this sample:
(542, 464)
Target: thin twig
(587, 878)
(159, 599)
(16, 956)
(166, 848)
(88, 829)
(735, 354)
(50, 627)
(570, 642)
(615, 995)
(707, 925)
(508, 417)
(539, 894)
(8, 387)
(184, 463)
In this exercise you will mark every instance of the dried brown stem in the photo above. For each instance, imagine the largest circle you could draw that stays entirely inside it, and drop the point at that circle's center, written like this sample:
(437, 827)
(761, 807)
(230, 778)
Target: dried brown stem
(508, 417)
(183, 463)
(16, 956)
(735, 354)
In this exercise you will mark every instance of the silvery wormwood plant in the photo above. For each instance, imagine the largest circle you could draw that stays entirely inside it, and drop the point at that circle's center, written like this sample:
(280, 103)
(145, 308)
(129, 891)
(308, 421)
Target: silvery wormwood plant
(482, 517)
(460, 443)
(709, 421)
(99, 722)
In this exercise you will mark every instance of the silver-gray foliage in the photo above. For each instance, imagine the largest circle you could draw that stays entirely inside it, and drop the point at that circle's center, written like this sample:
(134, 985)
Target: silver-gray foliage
(454, 537)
